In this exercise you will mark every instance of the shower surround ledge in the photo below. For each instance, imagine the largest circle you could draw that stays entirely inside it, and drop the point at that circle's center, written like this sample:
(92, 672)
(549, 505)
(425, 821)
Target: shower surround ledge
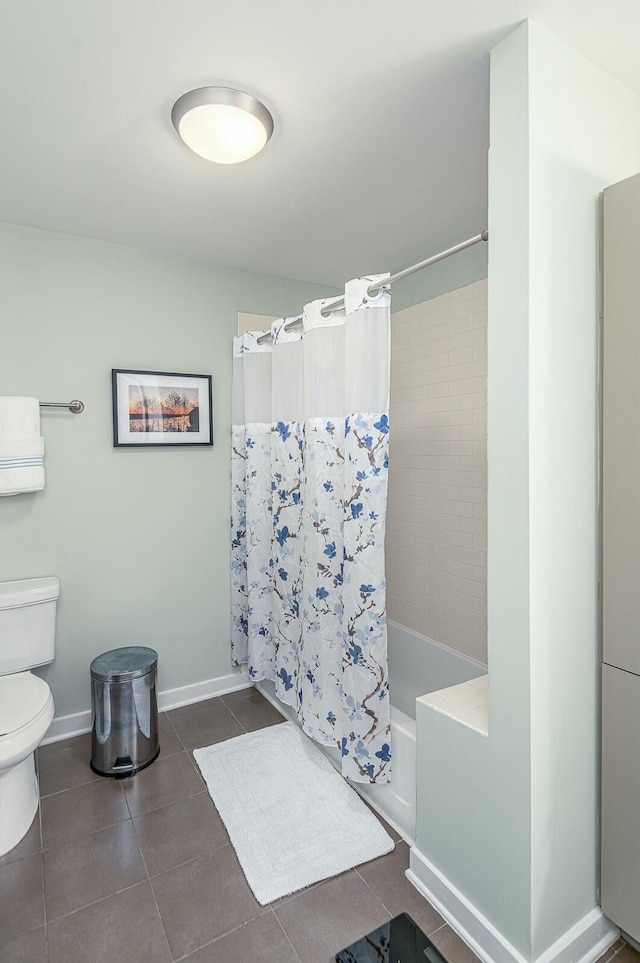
(467, 703)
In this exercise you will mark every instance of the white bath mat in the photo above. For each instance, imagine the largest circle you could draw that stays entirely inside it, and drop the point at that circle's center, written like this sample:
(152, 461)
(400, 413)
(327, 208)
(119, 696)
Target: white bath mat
(292, 819)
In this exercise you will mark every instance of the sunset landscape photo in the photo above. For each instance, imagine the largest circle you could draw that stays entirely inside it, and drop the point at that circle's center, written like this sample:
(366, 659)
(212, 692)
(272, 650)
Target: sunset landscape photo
(160, 409)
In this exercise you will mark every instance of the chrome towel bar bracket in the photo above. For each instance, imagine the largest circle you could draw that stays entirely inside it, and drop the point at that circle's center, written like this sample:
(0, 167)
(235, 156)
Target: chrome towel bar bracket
(77, 407)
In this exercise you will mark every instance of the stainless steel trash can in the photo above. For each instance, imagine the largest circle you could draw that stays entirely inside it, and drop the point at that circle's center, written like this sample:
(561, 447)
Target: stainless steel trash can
(124, 706)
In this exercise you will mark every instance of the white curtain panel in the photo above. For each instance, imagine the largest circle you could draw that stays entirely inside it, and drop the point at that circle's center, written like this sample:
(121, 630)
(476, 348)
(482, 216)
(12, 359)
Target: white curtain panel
(309, 476)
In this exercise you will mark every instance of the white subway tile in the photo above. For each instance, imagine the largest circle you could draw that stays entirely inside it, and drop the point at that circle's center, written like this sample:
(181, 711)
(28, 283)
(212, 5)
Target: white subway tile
(461, 356)
(476, 589)
(462, 417)
(465, 293)
(473, 464)
(467, 602)
(476, 526)
(437, 621)
(460, 324)
(473, 557)
(461, 631)
(479, 320)
(476, 336)
(457, 445)
(480, 416)
(461, 539)
(437, 453)
(461, 569)
(480, 643)
(448, 551)
(479, 352)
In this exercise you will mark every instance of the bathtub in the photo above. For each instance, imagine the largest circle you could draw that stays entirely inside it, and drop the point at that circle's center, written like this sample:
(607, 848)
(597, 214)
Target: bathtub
(416, 665)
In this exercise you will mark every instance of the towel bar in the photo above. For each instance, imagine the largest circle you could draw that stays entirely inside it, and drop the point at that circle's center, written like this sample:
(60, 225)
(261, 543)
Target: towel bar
(77, 407)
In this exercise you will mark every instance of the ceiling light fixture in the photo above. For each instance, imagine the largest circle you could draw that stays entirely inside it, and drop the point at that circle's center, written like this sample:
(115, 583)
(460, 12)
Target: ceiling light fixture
(221, 124)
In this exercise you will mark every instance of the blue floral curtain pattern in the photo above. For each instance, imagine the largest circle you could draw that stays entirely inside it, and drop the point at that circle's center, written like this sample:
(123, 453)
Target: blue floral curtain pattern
(239, 594)
(250, 526)
(309, 477)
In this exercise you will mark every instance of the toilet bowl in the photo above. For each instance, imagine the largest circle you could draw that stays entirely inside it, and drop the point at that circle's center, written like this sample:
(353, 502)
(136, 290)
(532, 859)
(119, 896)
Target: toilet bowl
(27, 636)
(26, 712)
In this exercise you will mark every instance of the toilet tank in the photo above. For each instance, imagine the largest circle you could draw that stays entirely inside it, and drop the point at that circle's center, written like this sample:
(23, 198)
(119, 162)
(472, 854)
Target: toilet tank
(27, 623)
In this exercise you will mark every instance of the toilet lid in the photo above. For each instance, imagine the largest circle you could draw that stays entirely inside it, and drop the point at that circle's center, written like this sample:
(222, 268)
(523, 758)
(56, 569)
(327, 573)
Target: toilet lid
(22, 698)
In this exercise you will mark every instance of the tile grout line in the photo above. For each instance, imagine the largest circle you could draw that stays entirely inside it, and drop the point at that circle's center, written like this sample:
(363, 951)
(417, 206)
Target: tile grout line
(190, 751)
(242, 726)
(175, 731)
(373, 892)
(72, 839)
(391, 913)
(124, 889)
(79, 785)
(216, 939)
(44, 894)
(192, 859)
(168, 718)
(277, 919)
(146, 869)
(203, 788)
(44, 902)
(102, 899)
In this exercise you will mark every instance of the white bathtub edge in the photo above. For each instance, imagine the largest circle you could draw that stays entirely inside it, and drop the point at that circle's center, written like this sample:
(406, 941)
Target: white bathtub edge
(419, 637)
(362, 791)
(369, 793)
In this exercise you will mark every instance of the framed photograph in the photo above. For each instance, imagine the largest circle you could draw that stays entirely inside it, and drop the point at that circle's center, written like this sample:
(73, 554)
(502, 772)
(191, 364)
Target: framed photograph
(161, 408)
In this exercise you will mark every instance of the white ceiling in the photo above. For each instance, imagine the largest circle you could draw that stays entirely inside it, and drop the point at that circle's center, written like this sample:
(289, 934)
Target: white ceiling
(381, 111)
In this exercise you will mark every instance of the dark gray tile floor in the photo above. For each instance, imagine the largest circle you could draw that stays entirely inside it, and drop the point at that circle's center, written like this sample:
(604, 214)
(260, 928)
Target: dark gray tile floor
(141, 870)
(620, 952)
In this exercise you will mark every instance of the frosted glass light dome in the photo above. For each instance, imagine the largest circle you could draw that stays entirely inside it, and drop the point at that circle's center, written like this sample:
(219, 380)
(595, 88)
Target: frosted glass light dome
(221, 124)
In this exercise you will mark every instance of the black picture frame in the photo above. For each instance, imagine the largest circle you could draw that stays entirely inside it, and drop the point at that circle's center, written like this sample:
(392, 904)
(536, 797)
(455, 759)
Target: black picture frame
(159, 409)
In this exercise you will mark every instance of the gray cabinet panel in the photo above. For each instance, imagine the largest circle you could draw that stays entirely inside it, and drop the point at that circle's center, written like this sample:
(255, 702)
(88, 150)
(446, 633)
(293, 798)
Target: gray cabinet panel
(620, 830)
(620, 815)
(621, 426)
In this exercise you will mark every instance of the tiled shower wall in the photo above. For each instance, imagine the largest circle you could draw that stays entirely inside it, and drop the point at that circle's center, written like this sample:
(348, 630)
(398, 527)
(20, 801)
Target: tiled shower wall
(436, 543)
(254, 322)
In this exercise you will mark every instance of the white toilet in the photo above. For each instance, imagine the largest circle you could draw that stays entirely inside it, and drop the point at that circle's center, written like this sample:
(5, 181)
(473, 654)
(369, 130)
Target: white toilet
(27, 639)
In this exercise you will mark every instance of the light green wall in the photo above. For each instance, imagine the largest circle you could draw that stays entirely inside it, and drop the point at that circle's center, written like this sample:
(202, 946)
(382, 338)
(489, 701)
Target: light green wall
(511, 820)
(138, 538)
(455, 272)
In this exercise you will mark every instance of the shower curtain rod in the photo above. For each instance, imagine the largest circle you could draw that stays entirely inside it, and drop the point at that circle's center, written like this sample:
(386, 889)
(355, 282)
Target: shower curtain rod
(374, 288)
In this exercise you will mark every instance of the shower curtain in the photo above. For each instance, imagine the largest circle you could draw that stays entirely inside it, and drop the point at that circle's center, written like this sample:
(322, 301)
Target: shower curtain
(309, 489)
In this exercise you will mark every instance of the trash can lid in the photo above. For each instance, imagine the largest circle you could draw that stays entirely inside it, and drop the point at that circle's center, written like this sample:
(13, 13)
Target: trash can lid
(125, 664)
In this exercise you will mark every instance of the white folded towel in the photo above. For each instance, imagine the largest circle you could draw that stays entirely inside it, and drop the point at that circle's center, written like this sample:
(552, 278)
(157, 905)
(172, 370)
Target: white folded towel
(19, 416)
(21, 446)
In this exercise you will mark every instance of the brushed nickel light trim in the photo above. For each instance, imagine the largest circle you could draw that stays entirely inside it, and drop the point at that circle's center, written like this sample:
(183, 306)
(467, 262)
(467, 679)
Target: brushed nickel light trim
(223, 97)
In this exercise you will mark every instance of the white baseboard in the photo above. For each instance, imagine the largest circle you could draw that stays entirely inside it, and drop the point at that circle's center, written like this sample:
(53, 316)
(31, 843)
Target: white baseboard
(65, 727)
(582, 943)
(198, 691)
